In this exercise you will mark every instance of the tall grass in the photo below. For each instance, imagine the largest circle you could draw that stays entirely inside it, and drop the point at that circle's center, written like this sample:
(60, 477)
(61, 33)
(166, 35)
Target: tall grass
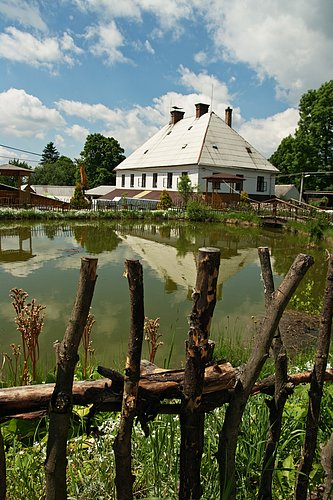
(91, 465)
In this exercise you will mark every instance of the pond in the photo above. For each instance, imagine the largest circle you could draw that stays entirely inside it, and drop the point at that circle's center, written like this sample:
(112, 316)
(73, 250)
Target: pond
(44, 260)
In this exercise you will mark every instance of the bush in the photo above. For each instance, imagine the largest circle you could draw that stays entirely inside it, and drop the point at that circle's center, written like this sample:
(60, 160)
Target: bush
(317, 225)
(78, 201)
(165, 201)
(196, 211)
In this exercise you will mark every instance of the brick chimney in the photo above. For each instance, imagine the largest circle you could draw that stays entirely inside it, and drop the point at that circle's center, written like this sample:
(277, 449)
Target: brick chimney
(228, 116)
(176, 115)
(201, 109)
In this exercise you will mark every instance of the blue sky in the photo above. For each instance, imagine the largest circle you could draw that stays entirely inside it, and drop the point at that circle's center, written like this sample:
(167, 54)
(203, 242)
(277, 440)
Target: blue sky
(69, 68)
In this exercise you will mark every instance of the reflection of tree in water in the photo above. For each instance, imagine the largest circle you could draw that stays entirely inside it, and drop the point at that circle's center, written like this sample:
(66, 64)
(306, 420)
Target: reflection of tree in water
(184, 242)
(96, 239)
(284, 250)
(169, 285)
(165, 231)
(51, 231)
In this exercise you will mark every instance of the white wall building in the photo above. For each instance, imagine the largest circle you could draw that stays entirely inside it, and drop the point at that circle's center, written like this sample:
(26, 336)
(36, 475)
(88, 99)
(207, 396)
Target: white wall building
(201, 146)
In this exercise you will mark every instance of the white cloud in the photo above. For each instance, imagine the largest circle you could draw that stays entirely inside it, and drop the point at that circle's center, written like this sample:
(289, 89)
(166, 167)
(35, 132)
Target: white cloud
(281, 40)
(59, 141)
(148, 47)
(267, 133)
(109, 9)
(89, 112)
(23, 115)
(24, 12)
(20, 46)
(78, 132)
(201, 57)
(168, 13)
(205, 84)
(107, 41)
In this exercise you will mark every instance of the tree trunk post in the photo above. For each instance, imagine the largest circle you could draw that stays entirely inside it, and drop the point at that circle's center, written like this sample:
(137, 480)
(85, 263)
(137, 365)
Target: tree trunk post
(316, 387)
(198, 352)
(60, 408)
(122, 444)
(281, 390)
(3, 484)
(230, 430)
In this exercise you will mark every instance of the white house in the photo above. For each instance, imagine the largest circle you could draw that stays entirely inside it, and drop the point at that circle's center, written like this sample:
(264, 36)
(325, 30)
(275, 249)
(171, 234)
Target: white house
(205, 147)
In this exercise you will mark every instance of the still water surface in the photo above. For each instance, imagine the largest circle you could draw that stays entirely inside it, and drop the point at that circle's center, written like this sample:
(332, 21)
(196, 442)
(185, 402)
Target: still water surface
(44, 260)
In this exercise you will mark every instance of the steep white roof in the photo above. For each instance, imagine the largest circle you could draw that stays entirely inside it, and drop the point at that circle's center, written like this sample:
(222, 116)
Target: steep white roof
(204, 141)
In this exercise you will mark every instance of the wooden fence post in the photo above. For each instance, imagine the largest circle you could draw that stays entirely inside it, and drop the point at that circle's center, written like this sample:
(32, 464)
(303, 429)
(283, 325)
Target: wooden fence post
(3, 485)
(61, 401)
(316, 387)
(229, 434)
(122, 445)
(281, 387)
(198, 352)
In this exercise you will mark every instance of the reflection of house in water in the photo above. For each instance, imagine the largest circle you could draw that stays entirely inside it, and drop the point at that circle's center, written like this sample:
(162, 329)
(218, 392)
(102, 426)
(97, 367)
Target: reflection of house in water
(180, 270)
(21, 250)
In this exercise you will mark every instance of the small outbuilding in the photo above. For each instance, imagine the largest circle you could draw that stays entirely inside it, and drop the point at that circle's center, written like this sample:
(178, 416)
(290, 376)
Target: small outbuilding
(287, 192)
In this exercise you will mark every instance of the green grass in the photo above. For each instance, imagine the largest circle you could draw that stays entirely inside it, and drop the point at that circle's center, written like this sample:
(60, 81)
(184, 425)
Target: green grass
(156, 458)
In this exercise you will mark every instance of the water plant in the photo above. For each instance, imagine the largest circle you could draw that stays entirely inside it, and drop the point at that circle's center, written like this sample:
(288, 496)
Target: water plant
(305, 301)
(30, 321)
(88, 351)
(151, 327)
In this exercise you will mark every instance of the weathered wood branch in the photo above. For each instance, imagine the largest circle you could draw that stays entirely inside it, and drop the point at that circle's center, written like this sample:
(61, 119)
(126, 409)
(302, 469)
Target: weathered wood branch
(282, 388)
(316, 387)
(33, 401)
(230, 430)
(60, 408)
(327, 463)
(3, 474)
(122, 446)
(199, 352)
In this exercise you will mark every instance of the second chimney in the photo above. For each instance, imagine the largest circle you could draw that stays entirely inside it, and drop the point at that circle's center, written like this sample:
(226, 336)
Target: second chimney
(176, 115)
(228, 116)
(201, 109)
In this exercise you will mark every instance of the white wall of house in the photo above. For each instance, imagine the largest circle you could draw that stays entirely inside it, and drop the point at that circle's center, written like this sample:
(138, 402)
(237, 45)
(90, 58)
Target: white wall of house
(256, 182)
(154, 179)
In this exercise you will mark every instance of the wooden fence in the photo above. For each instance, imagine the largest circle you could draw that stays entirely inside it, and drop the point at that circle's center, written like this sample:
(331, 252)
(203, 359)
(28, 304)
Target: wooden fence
(203, 385)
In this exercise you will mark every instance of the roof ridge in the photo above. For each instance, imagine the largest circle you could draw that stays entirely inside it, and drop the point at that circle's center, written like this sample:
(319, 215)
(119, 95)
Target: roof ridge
(204, 137)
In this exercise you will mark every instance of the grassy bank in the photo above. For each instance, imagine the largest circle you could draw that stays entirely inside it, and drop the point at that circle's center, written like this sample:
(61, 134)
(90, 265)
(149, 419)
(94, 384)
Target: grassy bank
(91, 465)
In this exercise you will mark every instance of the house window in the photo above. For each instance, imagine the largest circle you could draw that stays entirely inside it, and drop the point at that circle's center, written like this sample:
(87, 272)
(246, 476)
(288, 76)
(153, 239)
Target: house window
(154, 180)
(238, 185)
(143, 180)
(184, 173)
(169, 180)
(261, 184)
(123, 180)
(132, 181)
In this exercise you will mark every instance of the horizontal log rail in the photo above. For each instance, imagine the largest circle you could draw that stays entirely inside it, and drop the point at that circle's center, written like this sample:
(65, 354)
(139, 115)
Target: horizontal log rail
(29, 402)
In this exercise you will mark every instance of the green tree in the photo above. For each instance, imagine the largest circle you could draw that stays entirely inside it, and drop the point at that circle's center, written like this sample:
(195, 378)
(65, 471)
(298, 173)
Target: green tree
(311, 149)
(78, 201)
(185, 188)
(100, 156)
(50, 154)
(64, 172)
(284, 156)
